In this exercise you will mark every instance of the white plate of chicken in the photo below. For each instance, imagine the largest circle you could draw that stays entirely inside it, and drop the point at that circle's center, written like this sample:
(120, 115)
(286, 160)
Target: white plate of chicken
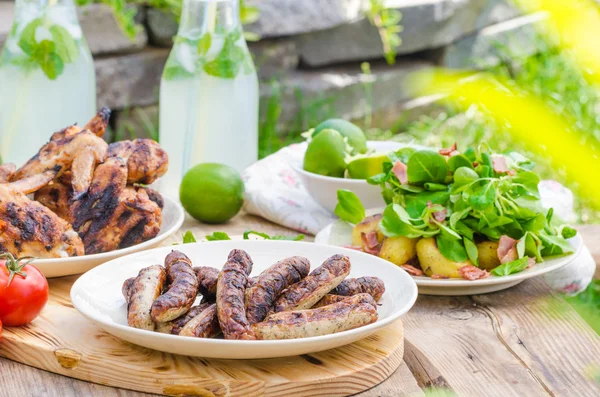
(80, 201)
(245, 299)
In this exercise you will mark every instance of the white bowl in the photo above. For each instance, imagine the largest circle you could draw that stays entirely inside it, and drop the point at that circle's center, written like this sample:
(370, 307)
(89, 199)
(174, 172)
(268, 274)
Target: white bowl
(172, 219)
(97, 295)
(323, 189)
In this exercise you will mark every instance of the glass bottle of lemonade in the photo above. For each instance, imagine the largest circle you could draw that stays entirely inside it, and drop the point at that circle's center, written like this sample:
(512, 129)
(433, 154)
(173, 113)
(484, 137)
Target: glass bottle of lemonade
(47, 78)
(209, 92)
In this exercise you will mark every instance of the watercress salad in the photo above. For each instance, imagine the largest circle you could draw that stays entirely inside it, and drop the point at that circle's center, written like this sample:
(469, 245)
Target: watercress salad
(461, 199)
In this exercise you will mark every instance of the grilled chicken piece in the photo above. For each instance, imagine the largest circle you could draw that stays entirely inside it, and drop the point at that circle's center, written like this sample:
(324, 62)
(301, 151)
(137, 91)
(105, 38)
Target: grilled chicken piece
(6, 172)
(146, 160)
(71, 148)
(112, 215)
(97, 125)
(27, 228)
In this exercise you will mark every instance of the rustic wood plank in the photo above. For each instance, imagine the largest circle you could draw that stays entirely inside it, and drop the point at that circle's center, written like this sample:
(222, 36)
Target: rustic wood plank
(452, 344)
(550, 338)
(402, 383)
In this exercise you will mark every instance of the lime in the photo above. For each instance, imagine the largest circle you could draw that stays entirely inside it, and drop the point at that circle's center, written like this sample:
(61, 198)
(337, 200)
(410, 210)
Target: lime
(367, 166)
(326, 154)
(212, 193)
(356, 136)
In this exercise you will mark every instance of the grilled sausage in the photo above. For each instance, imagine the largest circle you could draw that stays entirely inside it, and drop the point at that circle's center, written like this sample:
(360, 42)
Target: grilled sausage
(231, 289)
(175, 326)
(126, 289)
(328, 300)
(305, 293)
(207, 281)
(352, 312)
(146, 287)
(373, 286)
(261, 296)
(203, 325)
(182, 290)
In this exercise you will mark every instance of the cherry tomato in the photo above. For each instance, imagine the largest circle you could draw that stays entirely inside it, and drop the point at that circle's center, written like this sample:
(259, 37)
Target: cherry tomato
(23, 291)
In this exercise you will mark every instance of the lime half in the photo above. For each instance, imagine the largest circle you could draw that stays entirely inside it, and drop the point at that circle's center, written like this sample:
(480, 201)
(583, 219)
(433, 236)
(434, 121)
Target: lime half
(367, 166)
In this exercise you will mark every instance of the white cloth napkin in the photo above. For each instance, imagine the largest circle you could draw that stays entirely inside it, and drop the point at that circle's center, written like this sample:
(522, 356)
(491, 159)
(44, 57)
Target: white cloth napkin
(274, 192)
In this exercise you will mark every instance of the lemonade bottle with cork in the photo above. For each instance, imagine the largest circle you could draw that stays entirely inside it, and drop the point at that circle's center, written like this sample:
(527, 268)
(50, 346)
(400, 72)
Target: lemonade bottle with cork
(47, 77)
(209, 92)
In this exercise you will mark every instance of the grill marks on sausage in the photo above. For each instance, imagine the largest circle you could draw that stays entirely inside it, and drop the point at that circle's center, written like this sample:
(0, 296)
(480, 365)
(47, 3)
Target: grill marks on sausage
(306, 293)
(175, 326)
(350, 313)
(373, 286)
(146, 287)
(204, 324)
(182, 291)
(207, 282)
(231, 289)
(261, 297)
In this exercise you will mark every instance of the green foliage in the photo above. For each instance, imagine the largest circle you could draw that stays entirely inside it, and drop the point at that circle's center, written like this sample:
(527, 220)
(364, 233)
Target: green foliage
(387, 22)
(230, 60)
(587, 304)
(188, 237)
(218, 236)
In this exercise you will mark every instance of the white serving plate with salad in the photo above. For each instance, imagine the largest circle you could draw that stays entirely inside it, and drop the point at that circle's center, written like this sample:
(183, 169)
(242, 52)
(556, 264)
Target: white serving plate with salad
(172, 219)
(97, 295)
(339, 233)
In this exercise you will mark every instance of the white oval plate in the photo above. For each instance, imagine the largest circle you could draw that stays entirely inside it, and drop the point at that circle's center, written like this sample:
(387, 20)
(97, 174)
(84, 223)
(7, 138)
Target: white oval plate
(97, 295)
(172, 219)
(339, 233)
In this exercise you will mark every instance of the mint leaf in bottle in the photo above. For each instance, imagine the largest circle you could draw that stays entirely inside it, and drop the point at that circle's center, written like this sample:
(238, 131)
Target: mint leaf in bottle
(66, 46)
(49, 61)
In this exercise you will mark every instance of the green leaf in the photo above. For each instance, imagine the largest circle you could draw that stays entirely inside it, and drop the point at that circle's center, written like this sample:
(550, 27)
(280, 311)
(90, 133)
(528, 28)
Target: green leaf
(463, 176)
(483, 171)
(483, 196)
(402, 155)
(228, 62)
(217, 236)
(349, 207)
(27, 40)
(455, 162)
(174, 72)
(66, 46)
(535, 224)
(188, 237)
(416, 203)
(472, 251)
(457, 216)
(46, 56)
(451, 248)
(567, 232)
(464, 230)
(554, 245)
(204, 43)
(515, 266)
(427, 166)
(396, 222)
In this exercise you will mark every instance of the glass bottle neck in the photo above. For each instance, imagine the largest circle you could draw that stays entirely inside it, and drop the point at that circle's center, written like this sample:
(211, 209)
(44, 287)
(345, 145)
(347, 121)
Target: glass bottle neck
(200, 16)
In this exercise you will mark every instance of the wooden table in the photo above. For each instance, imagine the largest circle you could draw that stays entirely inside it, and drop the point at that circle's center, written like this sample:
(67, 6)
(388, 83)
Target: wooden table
(525, 341)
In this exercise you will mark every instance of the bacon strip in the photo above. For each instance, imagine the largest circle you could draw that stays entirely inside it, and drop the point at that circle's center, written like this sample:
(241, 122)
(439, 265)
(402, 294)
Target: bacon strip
(413, 271)
(451, 151)
(399, 169)
(500, 166)
(531, 262)
(439, 216)
(471, 272)
(507, 249)
(370, 242)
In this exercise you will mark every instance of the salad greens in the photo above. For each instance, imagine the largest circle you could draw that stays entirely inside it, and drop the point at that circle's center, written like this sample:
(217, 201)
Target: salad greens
(461, 199)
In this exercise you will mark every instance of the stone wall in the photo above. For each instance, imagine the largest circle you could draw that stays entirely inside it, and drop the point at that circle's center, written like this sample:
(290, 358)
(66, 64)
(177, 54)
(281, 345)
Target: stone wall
(309, 55)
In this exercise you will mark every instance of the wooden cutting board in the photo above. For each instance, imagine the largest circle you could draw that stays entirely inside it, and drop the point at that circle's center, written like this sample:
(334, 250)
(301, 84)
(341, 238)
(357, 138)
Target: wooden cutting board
(64, 342)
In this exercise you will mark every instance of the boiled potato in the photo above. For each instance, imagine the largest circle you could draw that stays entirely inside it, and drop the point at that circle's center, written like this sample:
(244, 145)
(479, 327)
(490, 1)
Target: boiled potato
(398, 250)
(369, 224)
(433, 262)
(488, 255)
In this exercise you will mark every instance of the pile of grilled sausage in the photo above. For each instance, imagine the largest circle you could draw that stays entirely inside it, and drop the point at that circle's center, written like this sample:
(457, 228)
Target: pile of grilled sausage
(284, 302)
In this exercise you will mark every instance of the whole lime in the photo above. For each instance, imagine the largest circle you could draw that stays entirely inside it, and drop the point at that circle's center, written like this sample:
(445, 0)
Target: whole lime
(326, 154)
(356, 136)
(212, 193)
